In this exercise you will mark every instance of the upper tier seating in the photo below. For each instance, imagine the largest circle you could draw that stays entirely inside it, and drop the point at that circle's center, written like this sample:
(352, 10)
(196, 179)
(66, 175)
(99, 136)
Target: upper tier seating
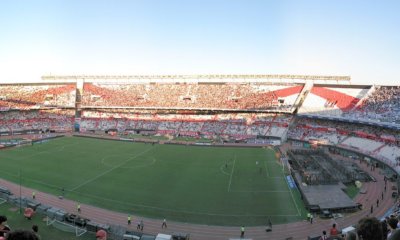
(37, 95)
(199, 96)
(334, 101)
(383, 105)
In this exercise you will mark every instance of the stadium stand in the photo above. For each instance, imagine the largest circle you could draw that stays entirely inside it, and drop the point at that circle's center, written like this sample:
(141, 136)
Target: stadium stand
(365, 119)
(44, 120)
(195, 96)
(383, 105)
(36, 96)
(236, 126)
(332, 100)
(376, 141)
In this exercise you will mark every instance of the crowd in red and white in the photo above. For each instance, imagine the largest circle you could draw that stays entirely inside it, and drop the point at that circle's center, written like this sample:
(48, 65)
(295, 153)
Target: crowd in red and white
(199, 96)
(54, 119)
(375, 141)
(383, 105)
(35, 96)
(241, 125)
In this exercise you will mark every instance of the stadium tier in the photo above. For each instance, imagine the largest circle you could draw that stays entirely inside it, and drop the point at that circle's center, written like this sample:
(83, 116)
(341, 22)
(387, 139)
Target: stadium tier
(382, 105)
(376, 105)
(35, 96)
(364, 120)
(333, 100)
(379, 142)
(44, 120)
(239, 110)
(235, 125)
(207, 95)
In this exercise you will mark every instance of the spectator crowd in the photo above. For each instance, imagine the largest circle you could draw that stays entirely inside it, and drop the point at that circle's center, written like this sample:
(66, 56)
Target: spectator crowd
(383, 105)
(36, 96)
(199, 96)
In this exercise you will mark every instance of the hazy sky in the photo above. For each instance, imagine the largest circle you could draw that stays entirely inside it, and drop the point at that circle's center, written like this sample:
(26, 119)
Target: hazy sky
(360, 38)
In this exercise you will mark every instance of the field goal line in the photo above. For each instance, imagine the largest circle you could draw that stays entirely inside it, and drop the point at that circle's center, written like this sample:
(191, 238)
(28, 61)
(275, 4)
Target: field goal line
(65, 227)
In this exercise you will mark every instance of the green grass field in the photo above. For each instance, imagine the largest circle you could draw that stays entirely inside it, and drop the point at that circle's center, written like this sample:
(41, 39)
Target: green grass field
(207, 185)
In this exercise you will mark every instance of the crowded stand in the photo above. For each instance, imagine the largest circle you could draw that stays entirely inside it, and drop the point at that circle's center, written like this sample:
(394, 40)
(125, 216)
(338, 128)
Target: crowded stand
(237, 126)
(344, 128)
(192, 127)
(43, 120)
(377, 105)
(383, 105)
(195, 96)
(378, 142)
(158, 117)
(37, 96)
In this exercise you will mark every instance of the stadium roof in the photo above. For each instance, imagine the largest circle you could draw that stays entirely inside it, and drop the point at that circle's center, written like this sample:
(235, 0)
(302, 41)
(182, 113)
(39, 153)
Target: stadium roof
(284, 78)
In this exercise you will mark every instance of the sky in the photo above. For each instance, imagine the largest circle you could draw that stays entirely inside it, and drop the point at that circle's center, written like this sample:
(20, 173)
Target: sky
(357, 38)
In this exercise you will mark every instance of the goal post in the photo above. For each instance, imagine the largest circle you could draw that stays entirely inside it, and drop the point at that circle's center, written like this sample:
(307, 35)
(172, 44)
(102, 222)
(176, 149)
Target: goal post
(65, 227)
(49, 221)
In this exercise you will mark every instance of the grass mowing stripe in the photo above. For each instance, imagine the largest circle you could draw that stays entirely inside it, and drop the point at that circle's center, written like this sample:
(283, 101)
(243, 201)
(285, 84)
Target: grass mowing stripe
(186, 183)
(111, 169)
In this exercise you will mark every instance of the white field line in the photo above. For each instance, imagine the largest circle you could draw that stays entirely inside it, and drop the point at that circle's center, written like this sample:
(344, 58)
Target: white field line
(230, 179)
(266, 168)
(111, 169)
(291, 194)
(264, 191)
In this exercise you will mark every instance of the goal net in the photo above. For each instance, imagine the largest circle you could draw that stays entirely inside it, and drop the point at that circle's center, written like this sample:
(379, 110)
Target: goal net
(65, 227)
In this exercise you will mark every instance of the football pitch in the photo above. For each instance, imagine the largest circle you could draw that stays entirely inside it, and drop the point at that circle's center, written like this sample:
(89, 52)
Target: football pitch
(194, 184)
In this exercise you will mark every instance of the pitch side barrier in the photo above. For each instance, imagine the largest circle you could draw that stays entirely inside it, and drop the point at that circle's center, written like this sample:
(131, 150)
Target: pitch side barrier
(31, 142)
(214, 144)
(102, 137)
(31, 132)
(7, 146)
(23, 132)
(45, 139)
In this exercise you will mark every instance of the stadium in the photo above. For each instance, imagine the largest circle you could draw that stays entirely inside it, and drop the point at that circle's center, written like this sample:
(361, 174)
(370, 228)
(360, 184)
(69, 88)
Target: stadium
(208, 153)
